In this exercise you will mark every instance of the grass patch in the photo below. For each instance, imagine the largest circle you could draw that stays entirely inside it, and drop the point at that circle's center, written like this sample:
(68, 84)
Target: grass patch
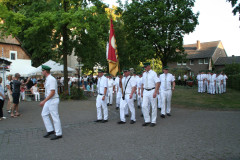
(190, 98)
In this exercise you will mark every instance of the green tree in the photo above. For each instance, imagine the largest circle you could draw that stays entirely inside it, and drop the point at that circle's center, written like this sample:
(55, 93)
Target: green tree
(48, 28)
(236, 6)
(155, 29)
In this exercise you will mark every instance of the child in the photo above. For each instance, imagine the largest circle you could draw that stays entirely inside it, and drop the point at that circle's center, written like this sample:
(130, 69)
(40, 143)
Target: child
(88, 87)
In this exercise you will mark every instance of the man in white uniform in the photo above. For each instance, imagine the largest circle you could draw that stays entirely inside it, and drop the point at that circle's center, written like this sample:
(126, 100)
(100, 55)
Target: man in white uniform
(218, 84)
(128, 84)
(136, 79)
(150, 87)
(224, 82)
(139, 86)
(200, 79)
(118, 90)
(167, 85)
(101, 102)
(110, 90)
(159, 96)
(212, 82)
(50, 105)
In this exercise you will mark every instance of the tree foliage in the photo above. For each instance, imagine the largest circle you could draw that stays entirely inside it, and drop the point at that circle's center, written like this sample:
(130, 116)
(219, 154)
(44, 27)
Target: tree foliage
(52, 29)
(236, 6)
(155, 29)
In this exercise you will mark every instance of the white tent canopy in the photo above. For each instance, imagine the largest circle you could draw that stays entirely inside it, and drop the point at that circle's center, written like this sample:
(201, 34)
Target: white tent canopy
(57, 68)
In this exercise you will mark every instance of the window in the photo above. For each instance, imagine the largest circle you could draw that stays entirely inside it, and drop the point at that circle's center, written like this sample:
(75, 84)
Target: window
(191, 62)
(200, 61)
(184, 63)
(206, 61)
(13, 55)
(179, 63)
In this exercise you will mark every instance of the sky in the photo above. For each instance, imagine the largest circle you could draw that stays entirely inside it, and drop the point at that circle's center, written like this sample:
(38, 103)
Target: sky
(216, 22)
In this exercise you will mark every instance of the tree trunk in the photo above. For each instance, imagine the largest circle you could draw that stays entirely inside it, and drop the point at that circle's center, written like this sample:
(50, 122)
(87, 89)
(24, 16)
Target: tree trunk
(65, 51)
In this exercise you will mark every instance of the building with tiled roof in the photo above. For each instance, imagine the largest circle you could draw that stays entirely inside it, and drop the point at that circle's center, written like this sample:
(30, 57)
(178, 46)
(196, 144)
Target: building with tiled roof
(200, 56)
(222, 61)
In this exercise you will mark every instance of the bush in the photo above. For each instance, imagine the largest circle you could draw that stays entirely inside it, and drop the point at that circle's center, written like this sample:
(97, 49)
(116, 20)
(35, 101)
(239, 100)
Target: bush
(76, 94)
(232, 69)
(234, 82)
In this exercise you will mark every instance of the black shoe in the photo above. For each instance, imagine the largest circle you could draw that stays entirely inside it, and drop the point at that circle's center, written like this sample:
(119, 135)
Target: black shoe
(160, 109)
(104, 121)
(117, 108)
(139, 107)
(152, 124)
(126, 115)
(168, 114)
(54, 137)
(99, 120)
(162, 116)
(47, 135)
(141, 115)
(108, 104)
(145, 124)
(121, 122)
(132, 122)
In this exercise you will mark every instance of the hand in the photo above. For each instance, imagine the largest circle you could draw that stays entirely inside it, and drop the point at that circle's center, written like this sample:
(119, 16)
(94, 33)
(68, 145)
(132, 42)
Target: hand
(103, 98)
(154, 95)
(42, 103)
(139, 94)
(130, 96)
(142, 95)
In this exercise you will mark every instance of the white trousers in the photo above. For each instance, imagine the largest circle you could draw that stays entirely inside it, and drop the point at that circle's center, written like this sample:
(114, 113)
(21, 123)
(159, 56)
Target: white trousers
(218, 88)
(37, 96)
(51, 107)
(23, 95)
(139, 100)
(110, 96)
(224, 87)
(134, 96)
(200, 86)
(159, 100)
(148, 97)
(211, 88)
(124, 104)
(118, 97)
(166, 99)
(100, 104)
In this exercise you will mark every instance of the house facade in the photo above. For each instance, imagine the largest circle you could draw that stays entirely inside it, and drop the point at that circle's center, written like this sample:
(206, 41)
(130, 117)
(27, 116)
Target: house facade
(15, 53)
(222, 61)
(200, 56)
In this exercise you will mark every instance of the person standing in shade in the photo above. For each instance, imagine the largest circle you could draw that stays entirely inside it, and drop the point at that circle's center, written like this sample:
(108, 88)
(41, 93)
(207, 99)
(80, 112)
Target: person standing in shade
(16, 95)
(118, 90)
(35, 92)
(167, 85)
(101, 101)
(224, 82)
(149, 91)
(9, 93)
(128, 84)
(2, 97)
(50, 106)
(110, 90)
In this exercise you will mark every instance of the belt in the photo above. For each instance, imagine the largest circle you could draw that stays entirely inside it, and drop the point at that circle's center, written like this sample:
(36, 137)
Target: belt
(149, 89)
(100, 94)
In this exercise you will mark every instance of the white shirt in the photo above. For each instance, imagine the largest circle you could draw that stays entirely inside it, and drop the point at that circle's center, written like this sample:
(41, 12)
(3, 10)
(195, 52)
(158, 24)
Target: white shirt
(51, 84)
(139, 84)
(110, 83)
(212, 79)
(117, 86)
(185, 77)
(102, 84)
(218, 79)
(1, 91)
(34, 89)
(166, 81)
(225, 78)
(132, 83)
(149, 79)
(179, 78)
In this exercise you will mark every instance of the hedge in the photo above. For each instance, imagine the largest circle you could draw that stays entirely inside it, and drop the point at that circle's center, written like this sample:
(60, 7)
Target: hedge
(234, 82)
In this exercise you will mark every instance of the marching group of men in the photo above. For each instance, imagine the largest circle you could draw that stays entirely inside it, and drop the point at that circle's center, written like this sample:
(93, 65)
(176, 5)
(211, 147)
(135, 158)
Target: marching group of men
(212, 83)
(150, 90)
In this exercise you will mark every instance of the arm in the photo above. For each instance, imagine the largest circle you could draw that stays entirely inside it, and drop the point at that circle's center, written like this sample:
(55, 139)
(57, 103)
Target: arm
(133, 91)
(142, 91)
(105, 92)
(156, 89)
(52, 93)
(173, 85)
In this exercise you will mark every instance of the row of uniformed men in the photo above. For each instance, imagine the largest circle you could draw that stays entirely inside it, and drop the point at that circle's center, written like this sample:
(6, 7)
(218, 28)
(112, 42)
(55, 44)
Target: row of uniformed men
(148, 86)
(212, 82)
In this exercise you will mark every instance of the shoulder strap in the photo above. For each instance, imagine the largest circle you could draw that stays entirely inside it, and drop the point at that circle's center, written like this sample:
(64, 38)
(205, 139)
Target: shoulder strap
(126, 86)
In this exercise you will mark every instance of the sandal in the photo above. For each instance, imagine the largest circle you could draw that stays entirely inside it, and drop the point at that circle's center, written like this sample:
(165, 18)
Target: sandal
(17, 115)
(13, 116)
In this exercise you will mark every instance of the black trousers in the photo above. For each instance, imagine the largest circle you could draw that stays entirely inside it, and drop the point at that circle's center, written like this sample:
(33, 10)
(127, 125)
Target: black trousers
(1, 107)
